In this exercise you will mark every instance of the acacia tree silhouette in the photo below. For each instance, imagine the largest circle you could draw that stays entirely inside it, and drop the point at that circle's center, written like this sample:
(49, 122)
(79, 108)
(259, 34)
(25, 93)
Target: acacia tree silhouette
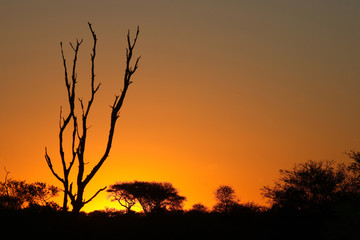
(78, 137)
(123, 193)
(154, 197)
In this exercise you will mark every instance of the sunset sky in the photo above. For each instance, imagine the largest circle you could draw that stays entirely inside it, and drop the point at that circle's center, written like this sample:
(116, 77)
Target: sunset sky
(227, 92)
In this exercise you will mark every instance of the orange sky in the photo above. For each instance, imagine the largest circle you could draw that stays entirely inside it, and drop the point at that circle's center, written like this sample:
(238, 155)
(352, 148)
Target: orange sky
(227, 92)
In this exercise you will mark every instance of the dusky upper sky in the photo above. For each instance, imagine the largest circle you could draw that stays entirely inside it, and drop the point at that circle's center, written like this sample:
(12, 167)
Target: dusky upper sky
(227, 92)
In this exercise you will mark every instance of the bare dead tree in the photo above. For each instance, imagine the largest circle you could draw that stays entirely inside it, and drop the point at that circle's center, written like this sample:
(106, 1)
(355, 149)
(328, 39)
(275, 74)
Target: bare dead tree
(79, 137)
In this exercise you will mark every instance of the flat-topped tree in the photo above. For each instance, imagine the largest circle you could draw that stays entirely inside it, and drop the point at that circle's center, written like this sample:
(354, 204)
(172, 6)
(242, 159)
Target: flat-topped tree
(154, 197)
(79, 127)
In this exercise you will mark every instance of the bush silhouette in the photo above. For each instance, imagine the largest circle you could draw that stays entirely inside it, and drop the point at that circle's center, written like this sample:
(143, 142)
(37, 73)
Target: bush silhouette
(199, 208)
(17, 194)
(310, 186)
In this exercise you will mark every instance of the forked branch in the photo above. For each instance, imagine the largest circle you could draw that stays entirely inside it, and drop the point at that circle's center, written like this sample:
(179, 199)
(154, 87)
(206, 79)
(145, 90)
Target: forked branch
(129, 71)
(64, 123)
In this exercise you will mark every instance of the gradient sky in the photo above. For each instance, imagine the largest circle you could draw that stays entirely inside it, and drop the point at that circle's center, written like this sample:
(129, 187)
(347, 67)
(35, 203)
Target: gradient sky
(227, 92)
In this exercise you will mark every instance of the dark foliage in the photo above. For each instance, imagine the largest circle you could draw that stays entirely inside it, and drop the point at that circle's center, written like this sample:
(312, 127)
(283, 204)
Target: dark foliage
(199, 208)
(353, 180)
(246, 222)
(311, 186)
(314, 200)
(154, 197)
(225, 199)
(15, 194)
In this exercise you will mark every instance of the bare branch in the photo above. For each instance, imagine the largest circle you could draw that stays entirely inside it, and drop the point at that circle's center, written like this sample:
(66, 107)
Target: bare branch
(71, 195)
(6, 174)
(100, 190)
(5, 182)
(74, 151)
(65, 68)
(64, 122)
(74, 75)
(117, 105)
(82, 106)
(93, 88)
(60, 117)
(72, 46)
(48, 161)
(97, 87)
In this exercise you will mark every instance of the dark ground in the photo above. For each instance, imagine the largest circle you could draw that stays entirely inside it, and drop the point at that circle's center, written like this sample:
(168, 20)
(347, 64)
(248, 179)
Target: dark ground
(20, 224)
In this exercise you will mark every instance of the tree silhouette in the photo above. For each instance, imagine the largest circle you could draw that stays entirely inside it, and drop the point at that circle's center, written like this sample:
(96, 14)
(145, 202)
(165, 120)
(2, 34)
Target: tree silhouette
(199, 208)
(123, 194)
(310, 186)
(80, 126)
(225, 198)
(17, 194)
(157, 197)
(354, 171)
(153, 197)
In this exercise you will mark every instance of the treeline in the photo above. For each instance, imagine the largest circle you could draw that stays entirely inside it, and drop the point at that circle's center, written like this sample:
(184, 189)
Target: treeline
(323, 187)
(312, 200)
(18, 194)
(155, 198)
